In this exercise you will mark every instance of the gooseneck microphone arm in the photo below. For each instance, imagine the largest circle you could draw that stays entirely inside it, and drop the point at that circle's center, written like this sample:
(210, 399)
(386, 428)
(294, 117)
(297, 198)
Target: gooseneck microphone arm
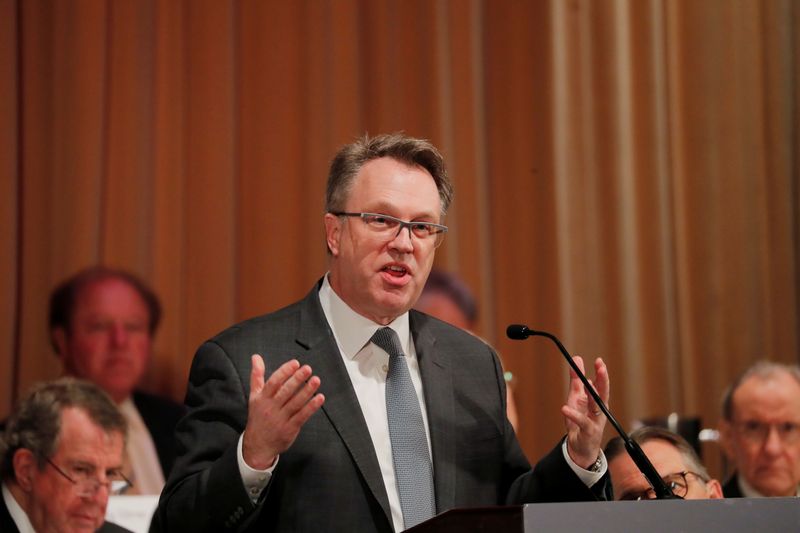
(663, 492)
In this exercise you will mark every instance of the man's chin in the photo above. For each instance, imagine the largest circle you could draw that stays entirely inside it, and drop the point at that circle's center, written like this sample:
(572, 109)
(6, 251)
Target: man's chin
(81, 524)
(391, 308)
(773, 489)
(119, 390)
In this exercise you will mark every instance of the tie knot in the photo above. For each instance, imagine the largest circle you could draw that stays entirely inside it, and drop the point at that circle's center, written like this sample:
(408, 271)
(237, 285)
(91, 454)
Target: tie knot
(388, 341)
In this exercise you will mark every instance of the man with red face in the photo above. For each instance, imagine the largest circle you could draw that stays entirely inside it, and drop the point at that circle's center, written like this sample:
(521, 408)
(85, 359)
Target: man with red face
(271, 445)
(760, 431)
(102, 323)
(61, 457)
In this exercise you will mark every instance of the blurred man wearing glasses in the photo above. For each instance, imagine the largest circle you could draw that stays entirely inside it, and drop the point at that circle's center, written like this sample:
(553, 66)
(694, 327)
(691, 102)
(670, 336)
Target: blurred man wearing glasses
(760, 431)
(402, 417)
(60, 458)
(673, 458)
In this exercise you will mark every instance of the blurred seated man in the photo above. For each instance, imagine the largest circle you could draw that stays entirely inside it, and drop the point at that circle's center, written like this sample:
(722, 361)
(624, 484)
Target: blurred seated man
(673, 458)
(102, 323)
(447, 298)
(60, 457)
(760, 431)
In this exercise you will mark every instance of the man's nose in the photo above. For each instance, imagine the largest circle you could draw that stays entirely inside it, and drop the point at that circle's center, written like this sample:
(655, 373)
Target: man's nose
(119, 334)
(403, 241)
(773, 443)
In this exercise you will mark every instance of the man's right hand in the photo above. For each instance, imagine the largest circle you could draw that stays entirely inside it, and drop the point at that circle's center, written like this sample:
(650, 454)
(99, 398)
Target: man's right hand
(277, 409)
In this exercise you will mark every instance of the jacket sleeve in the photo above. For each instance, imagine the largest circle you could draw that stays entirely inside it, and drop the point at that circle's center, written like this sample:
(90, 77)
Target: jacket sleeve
(552, 480)
(205, 491)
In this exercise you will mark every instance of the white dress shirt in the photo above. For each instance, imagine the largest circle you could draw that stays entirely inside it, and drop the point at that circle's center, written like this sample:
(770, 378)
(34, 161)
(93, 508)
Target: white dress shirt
(142, 455)
(367, 365)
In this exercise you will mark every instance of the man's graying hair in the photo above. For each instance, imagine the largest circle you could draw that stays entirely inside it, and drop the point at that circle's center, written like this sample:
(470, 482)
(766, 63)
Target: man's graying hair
(616, 446)
(35, 424)
(762, 370)
(409, 150)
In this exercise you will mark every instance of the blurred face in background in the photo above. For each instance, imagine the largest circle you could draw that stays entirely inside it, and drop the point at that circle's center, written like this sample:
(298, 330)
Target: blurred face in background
(440, 305)
(108, 341)
(763, 439)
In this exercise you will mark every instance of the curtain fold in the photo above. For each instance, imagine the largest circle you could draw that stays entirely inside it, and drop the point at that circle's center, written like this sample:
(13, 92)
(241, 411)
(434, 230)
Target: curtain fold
(626, 172)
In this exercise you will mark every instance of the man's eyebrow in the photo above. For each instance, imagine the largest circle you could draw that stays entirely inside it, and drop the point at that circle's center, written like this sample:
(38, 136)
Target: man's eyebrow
(384, 208)
(81, 463)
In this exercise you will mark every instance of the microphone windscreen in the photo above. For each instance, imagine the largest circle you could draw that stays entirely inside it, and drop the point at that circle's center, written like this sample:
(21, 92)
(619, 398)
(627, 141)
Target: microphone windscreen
(517, 332)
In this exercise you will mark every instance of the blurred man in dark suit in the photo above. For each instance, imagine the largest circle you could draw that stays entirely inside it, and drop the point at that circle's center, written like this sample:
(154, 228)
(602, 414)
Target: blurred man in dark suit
(447, 298)
(402, 417)
(673, 458)
(102, 323)
(61, 455)
(760, 431)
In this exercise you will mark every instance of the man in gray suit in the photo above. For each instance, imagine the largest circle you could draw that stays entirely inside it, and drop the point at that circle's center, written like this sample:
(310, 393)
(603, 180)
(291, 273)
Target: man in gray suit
(338, 448)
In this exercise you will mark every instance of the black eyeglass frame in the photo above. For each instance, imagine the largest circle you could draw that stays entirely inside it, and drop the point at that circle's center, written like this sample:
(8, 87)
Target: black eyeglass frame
(672, 484)
(433, 230)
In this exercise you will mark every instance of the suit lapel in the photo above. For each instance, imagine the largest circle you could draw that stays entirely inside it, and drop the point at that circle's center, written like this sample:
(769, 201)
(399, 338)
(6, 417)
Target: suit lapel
(341, 403)
(437, 382)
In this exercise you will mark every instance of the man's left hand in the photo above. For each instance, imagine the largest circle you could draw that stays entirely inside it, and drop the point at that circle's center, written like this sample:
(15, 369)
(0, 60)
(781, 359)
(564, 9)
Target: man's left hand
(583, 418)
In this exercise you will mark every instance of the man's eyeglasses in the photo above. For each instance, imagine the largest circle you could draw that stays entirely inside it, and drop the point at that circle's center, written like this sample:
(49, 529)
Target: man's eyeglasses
(757, 432)
(85, 479)
(677, 483)
(389, 227)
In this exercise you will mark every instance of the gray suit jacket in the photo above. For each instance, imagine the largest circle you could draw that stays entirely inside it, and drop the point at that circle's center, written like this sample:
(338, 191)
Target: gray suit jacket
(330, 479)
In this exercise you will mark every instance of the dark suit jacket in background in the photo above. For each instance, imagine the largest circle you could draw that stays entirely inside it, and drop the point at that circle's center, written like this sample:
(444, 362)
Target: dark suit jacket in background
(7, 524)
(160, 415)
(330, 480)
(731, 488)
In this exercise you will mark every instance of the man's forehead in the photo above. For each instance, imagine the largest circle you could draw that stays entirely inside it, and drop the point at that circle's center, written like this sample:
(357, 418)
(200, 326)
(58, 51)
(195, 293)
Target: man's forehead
(776, 387)
(99, 286)
(666, 458)
(101, 296)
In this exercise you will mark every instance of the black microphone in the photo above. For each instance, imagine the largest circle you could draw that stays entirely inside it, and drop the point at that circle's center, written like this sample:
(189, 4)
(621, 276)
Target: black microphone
(663, 492)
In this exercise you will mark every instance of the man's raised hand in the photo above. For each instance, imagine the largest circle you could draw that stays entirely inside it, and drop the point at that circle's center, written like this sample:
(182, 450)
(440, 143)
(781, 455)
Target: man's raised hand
(277, 409)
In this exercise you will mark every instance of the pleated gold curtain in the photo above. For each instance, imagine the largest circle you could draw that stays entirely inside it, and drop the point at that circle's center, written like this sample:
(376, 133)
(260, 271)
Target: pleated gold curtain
(626, 172)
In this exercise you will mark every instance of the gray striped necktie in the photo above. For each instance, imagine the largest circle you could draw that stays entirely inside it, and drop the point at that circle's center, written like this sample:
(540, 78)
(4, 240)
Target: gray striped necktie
(412, 462)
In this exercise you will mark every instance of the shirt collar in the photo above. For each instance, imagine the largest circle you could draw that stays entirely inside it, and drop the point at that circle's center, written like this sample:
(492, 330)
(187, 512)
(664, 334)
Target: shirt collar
(18, 515)
(353, 331)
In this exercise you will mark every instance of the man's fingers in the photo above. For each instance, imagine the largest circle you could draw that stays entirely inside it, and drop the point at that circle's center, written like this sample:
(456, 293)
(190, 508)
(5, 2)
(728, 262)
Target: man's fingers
(310, 405)
(256, 374)
(575, 382)
(279, 377)
(576, 417)
(292, 385)
(301, 395)
(603, 386)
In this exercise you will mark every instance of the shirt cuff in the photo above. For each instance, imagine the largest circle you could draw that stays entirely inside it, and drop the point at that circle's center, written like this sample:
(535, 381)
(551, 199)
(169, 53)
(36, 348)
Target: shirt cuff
(255, 481)
(588, 477)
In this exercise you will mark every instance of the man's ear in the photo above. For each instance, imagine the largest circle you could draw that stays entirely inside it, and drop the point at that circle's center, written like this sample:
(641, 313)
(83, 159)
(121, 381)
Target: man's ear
(726, 439)
(714, 489)
(25, 467)
(59, 337)
(333, 232)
